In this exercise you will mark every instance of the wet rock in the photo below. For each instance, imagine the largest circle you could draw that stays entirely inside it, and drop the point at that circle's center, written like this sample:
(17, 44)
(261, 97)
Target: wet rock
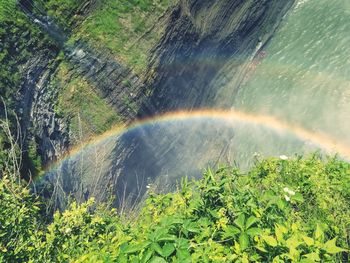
(35, 107)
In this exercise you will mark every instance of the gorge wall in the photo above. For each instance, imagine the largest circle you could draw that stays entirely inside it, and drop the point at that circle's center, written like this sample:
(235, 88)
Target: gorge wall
(205, 46)
(45, 132)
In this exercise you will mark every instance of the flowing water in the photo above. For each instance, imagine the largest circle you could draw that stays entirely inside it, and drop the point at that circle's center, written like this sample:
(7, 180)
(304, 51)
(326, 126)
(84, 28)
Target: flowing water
(305, 77)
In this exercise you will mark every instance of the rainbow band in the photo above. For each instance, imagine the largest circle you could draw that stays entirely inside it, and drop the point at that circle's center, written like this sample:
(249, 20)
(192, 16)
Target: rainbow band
(323, 141)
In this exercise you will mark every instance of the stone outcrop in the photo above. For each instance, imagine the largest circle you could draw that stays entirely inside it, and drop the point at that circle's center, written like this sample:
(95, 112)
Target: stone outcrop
(35, 107)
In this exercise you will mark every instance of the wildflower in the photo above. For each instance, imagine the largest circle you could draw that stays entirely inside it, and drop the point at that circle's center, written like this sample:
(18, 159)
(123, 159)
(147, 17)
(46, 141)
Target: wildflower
(291, 192)
(288, 191)
(148, 186)
(287, 198)
(284, 157)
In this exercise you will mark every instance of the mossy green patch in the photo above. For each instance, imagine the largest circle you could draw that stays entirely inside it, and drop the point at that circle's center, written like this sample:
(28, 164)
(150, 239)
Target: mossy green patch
(129, 29)
(64, 11)
(87, 112)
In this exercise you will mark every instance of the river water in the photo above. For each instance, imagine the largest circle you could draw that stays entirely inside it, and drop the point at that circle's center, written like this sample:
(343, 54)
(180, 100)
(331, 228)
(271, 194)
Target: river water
(305, 77)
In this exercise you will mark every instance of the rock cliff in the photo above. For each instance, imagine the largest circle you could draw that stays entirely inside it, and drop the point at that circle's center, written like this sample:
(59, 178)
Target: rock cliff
(36, 100)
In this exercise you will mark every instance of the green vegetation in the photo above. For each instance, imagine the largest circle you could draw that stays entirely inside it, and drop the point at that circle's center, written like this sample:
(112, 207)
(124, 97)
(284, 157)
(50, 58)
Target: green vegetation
(64, 12)
(295, 210)
(88, 113)
(128, 29)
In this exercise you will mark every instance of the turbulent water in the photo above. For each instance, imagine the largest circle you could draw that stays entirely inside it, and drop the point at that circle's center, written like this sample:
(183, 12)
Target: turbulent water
(305, 77)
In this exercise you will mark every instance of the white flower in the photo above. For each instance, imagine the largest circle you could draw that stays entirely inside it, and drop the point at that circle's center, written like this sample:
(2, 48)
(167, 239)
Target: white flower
(148, 186)
(291, 192)
(288, 191)
(287, 198)
(284, 157)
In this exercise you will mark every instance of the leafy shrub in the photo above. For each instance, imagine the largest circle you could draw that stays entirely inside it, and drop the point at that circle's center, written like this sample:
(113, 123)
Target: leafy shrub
(293, 210)
(19, 222)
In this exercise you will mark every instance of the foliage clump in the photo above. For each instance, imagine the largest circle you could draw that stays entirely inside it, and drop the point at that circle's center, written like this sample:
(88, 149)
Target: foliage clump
(294, 210)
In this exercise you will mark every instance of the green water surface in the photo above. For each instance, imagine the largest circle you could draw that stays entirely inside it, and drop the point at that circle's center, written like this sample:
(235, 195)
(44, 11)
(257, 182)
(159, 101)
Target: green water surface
(305, 78)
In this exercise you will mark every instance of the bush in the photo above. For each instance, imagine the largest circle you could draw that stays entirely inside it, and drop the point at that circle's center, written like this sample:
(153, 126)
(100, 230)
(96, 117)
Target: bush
(293, 210)
(19, 222)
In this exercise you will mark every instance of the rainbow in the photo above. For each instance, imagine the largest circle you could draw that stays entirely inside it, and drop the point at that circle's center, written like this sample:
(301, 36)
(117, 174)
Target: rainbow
(323, 141)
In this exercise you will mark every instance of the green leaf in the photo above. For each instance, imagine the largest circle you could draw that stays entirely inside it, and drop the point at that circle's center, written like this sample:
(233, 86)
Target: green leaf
(182, 243)
(244, 241)
(183, 255)
(279, 233)
(159, 233)
(306, 260)
(147, 256)
(308, 241)
(173, 221)
(293, 242)
(214, 213)
(319, 234)
(231, 231)
(156, 247)
(271, 241)
(254, 231)
(191, 226)
(245, 258)
(240, 221)
(298, 197)
(157, 260)
(331, 248)
(255, 257)
(167, 250)
(132, 248)
(261, 249)
(251, 221)
(314, 257)
(167, 238)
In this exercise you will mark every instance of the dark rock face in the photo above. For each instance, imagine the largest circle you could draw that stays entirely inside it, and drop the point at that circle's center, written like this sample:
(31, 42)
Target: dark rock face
(35, 107)
(206, 44)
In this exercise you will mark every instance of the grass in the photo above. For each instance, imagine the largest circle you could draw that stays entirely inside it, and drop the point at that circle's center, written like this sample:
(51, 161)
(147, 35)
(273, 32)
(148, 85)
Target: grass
(78, 101)
(295, 210)
(128, 29)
